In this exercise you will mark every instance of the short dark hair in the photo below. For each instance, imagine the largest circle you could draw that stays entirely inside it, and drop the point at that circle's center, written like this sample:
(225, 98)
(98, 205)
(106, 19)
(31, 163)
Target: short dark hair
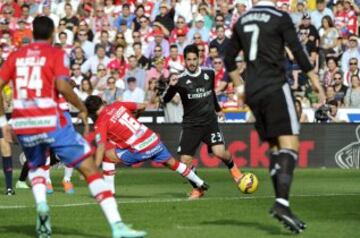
(137, 43)
(25, 6)
(93, 103)
(43, 28)
(131, 79)
(191, 49)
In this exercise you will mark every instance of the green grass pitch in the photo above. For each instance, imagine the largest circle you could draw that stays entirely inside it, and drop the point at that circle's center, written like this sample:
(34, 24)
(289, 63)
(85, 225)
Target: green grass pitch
(155, 200)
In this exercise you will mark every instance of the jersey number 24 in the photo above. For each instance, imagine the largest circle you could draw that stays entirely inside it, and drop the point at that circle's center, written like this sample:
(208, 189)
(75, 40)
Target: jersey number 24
(28, 78)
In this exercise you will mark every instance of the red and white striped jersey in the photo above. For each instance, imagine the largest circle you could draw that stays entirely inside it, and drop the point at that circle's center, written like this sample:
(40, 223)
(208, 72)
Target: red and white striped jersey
(117, 125)
(33, 70)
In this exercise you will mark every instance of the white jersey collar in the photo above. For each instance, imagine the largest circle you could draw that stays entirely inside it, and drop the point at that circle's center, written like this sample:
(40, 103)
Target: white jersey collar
(266, 4)
(196, 74)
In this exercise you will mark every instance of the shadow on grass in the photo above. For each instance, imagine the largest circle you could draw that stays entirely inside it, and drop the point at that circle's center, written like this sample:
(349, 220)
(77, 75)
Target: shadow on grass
(270, 229)
(29, 231)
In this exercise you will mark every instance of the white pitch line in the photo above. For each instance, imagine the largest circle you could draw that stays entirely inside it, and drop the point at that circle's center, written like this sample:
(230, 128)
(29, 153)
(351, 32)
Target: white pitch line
(170, 200)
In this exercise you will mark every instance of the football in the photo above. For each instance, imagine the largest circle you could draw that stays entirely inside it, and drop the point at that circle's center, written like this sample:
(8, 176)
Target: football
(249, 183)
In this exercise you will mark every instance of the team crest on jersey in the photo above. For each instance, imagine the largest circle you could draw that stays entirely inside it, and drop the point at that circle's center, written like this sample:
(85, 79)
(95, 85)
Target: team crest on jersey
(206, 77)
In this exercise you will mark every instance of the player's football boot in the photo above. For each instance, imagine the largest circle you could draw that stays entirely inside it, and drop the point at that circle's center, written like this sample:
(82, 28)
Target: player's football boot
(284, 215)
(120, 230)
(43, 227)
(49, 188)
(21, 185)
(68, 187)
(196, 193)
(205, 187)
(9, 192)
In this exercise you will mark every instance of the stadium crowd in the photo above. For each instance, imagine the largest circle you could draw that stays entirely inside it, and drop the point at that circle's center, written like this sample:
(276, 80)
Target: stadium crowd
(129, 49)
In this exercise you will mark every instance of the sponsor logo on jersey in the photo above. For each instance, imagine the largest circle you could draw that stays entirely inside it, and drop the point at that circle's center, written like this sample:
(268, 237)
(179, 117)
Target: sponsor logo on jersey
(206, 77)
(188, 81)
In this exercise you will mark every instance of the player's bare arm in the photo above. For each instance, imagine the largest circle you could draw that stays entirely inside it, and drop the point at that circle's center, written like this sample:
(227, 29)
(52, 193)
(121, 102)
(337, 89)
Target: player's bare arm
(66, 90)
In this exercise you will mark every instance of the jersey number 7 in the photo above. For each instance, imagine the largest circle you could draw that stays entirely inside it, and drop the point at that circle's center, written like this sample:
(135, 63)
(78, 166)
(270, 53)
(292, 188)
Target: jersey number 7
(254, 30)
(28, 78)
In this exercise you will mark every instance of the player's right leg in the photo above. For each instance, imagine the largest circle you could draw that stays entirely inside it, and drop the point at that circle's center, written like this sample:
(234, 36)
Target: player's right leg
(7, 165)
(74, 151)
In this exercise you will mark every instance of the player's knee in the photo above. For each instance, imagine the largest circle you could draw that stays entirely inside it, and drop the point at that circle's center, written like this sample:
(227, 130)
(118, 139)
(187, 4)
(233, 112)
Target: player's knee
(221, 153)
(289, 142)
(5, 148)
(87, 167)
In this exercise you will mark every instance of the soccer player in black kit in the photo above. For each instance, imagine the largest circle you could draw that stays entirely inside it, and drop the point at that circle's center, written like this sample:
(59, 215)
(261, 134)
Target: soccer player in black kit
(201, 110)
(262, 34)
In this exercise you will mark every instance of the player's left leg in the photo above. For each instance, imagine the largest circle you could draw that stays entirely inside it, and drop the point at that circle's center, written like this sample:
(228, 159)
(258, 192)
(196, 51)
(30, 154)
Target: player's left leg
(67, 184)
(220, 152)
(7, 166)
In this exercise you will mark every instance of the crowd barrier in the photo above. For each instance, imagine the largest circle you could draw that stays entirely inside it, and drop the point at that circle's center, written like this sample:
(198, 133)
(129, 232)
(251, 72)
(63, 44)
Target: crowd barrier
(321, 145)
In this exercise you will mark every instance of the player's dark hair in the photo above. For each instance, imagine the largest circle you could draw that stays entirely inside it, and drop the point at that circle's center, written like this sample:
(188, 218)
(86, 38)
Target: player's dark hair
(93, 103)
(43, 28)
(191, 49)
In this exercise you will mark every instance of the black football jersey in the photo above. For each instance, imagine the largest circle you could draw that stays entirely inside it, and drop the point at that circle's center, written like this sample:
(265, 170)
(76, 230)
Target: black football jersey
(262, 34)
(197, 96)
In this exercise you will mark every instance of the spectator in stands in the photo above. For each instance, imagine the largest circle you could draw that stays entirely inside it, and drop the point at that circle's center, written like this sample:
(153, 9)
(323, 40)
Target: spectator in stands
(21, 34)
(63, 43)
(219, 21)
(298, 14)
(133, 93)
(221, 77)
(103, 40)
(61, 7)
(319, 13)
(329, 71)
(303, 118)
(77, 56)
(83, 26)
(199, 27)
(328, 38)
(119, 41)
(152, 95)
(202, 53)
(99, 80)
(174, 62)
(71, 21)
(86, 89)
(159, 41)
(98, 20)
(157, 55)
(119, 82)
(225, 11)
(221, 41)
(106, 39)
(87, 46)
(310, 29)
(139, 13)
(145, 30)
(62, 28)
(213, 53)
(241, 6)
(173, 110)
(136, 72)
(180, 27)
(341, 19)
(352, 97)
(204, 11)
(181, 40)
(91, 64)
(111, 93)
(158, 72)
(353, 70)
(119, 63)
(352, 52)
(124, 37)
(330, 95)
(76, 75)
(333, 112)
(109, 8)
(166, 18)
(142, 61)
(340, 88)
(352, 11)
(25, 15)
(184, 9)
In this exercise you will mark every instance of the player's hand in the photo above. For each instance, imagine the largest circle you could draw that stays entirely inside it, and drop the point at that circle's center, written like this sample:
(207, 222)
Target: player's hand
(6, 130)
(84, 118)
(173, 81)
(220, 115)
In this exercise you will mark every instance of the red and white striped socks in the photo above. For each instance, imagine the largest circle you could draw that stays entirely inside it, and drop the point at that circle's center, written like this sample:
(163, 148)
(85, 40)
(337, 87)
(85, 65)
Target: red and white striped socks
(99, 189)
(187, 172)
(38, 184)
